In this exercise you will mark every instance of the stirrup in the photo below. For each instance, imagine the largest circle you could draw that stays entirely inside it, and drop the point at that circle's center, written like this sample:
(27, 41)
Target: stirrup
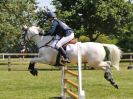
(66, 60)
(59, 64)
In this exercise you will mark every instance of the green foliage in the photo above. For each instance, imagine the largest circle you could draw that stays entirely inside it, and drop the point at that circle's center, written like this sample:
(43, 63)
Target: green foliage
(22, 85)
(14, 14)
(101, 39)
(93, 20)
(126, 43)
(41, 18)
(98, 17)
(84, 39)
(107, 39)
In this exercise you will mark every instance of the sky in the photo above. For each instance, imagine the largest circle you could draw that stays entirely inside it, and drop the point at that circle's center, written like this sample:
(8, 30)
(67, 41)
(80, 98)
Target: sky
(46, 3)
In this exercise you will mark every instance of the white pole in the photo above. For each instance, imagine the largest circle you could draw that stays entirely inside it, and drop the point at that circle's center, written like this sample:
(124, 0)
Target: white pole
(3, 56)
(81, 92)
(62, 82)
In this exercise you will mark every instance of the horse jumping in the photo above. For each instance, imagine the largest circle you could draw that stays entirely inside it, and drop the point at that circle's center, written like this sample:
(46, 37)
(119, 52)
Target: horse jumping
(97, 55)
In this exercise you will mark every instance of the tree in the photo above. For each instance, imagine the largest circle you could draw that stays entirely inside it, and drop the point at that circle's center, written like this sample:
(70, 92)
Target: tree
(126, 37)
(96, 17)
(14, 14)
(41, 18)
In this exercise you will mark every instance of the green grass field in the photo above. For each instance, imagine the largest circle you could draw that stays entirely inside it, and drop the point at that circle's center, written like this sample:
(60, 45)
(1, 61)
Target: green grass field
(22, 85)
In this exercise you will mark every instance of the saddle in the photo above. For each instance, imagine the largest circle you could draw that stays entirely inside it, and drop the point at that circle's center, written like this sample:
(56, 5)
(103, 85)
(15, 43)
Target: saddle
(73, 41)
(59, 59)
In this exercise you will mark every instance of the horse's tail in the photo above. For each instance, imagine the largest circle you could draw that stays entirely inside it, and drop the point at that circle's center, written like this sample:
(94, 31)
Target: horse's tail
(115, 55)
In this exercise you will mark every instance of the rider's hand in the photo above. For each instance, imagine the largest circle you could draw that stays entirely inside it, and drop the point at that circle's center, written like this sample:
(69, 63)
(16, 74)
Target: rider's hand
(41, 34)
(44, 34)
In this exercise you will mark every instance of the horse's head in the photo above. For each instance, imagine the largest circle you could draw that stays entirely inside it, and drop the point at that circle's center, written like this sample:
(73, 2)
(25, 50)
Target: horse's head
(28, 33)
(33, 33)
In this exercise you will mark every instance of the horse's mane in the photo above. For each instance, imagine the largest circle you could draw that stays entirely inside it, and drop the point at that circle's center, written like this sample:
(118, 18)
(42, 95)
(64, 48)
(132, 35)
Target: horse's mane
(35, 28)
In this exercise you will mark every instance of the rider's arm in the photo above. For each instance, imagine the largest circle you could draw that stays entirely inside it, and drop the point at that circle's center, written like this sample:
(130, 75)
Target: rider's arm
(53, 28)
(44, 34)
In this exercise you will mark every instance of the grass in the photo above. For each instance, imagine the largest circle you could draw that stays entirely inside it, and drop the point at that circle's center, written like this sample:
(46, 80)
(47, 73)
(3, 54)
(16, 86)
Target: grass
(98, 88)
(22, 85)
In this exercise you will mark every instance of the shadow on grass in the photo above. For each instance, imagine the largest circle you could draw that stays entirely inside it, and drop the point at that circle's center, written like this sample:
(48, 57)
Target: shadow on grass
(60, 98)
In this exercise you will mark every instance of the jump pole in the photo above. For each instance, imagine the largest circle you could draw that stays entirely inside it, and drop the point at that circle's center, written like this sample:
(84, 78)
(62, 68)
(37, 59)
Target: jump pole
(80, 90)
(81, 93)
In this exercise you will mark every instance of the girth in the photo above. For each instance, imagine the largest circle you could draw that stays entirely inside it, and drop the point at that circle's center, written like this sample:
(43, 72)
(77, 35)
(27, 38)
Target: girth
(73, 41)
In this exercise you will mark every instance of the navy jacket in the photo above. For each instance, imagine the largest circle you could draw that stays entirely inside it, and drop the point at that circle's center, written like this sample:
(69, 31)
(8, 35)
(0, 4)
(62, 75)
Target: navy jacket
(60, 28)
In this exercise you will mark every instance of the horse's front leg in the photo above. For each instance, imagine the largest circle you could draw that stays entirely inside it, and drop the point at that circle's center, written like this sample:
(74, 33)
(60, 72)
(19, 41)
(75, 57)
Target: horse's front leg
(32, 68)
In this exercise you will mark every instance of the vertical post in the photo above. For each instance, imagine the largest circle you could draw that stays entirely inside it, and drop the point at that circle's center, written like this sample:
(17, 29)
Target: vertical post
(130, 59)
(63, 83)
(9, 63)
(85, 66)
(3, 56)
(81, 92)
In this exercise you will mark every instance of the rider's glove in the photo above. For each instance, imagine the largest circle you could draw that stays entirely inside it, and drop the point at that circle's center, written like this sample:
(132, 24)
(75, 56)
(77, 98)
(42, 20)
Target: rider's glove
(41, 34)
(44, 34)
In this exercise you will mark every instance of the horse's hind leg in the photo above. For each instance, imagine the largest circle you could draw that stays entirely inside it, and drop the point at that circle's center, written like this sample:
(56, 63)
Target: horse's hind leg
(108, 74)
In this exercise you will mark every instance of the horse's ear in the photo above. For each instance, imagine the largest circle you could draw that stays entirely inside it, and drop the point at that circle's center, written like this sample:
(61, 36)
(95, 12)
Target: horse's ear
(25, 27)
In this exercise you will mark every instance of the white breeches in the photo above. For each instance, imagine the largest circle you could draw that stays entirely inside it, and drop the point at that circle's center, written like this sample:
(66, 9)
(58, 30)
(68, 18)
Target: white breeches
(59, 42)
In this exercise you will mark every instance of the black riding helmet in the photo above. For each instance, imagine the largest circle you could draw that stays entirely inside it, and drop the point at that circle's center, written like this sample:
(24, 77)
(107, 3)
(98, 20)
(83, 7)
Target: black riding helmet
(51, 15)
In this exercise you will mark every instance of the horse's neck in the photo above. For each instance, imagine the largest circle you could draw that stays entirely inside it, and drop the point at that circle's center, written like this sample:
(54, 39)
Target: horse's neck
(42, 40)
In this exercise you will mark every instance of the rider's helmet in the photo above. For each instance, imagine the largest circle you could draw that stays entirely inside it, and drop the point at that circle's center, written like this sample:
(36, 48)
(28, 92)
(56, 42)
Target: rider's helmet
(51, 15)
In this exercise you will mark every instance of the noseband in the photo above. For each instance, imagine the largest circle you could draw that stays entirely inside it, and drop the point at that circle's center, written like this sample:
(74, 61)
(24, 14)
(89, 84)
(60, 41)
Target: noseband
(25, 37)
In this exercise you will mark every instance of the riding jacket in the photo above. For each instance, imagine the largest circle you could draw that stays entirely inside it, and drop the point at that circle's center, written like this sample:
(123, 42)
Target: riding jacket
(60, 28)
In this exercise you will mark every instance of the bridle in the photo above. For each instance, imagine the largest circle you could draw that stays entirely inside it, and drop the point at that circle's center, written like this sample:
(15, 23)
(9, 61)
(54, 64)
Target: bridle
(25, 39)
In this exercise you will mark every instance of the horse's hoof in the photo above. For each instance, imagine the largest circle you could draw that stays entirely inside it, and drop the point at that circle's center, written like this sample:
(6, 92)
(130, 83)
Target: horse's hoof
(116, 86)
(130, 67)
(64, 61)
(34, 72)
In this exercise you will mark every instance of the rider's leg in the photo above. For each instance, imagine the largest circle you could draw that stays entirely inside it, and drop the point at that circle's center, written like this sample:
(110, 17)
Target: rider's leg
(63, 41)
(63, 53)
(54, 42)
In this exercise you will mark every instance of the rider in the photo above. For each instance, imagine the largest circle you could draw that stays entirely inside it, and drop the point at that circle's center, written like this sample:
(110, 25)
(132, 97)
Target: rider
(60, 30)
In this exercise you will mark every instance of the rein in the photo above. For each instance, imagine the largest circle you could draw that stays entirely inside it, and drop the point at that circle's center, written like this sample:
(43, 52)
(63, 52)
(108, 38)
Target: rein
(28, 40)
(47, 44)
(31, 37)
(24, 35)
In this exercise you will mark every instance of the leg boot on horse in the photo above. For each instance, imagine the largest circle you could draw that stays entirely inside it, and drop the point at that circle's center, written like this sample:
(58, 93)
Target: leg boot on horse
(58, 60)
(108, 76)
(32, 70)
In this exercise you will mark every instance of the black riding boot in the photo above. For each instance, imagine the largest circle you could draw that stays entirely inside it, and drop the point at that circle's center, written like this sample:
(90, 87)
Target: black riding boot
(63, 53)
(58, 63)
